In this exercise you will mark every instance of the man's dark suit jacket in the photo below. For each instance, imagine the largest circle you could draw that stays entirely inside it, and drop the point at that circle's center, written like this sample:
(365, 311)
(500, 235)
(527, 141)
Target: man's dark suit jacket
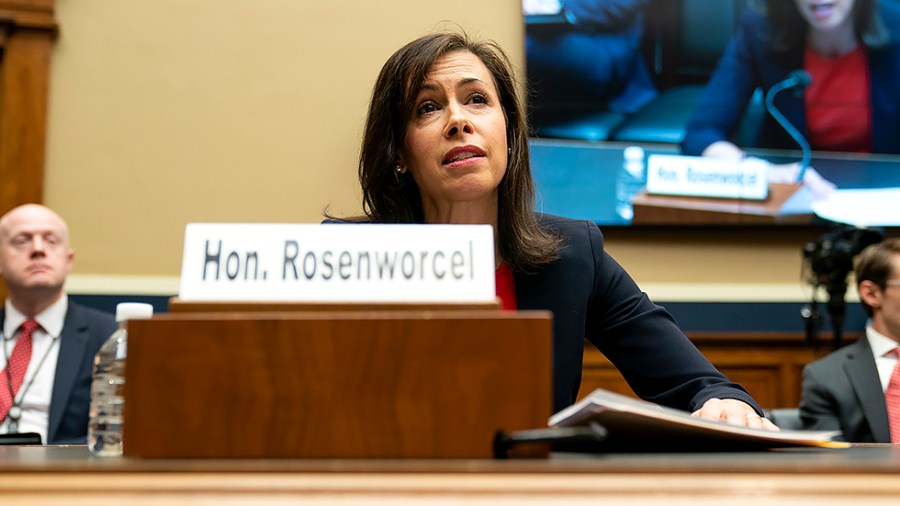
(84, 331)
(592, 297)
(842, 391)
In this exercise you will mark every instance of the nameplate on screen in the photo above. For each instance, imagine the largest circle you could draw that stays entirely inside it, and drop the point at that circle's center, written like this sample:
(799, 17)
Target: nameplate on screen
(337, 263)
(696, 176)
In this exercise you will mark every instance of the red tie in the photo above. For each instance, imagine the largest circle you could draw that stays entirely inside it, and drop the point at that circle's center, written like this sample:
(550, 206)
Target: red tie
(892, 399)
(18, 364)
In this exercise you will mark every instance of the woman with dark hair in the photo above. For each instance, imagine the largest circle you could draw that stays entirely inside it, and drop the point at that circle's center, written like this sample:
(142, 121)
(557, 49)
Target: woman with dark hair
(446, 142)
(847, 49)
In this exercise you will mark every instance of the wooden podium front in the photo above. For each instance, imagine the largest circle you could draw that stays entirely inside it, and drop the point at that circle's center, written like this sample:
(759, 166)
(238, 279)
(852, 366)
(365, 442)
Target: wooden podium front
(334, 384)
(676, 210)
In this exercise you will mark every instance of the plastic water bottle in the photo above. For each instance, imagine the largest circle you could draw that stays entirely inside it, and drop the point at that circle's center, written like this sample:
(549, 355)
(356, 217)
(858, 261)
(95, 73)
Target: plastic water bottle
(630, 180)
(107, 402)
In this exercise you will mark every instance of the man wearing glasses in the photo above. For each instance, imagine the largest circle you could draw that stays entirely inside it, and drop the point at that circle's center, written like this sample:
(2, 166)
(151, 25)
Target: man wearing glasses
(857, 389)
(48, 342)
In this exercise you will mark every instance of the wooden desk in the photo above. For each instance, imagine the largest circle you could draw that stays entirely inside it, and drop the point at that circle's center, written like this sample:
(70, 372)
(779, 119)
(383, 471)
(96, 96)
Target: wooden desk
(335, 384)
(70, 475)
(678, 210)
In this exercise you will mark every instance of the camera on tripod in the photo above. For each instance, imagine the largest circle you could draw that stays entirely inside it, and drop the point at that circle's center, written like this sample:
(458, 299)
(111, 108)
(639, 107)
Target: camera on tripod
(827, 262)
(831, 256)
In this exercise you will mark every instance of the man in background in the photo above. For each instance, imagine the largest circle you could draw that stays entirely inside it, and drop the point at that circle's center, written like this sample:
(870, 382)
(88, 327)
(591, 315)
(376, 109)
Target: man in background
(48, 342)
(857, 389)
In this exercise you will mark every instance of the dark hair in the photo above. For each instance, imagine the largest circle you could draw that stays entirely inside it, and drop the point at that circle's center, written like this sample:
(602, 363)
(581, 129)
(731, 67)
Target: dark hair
(875, 264)
(788, 37)
(389, 197)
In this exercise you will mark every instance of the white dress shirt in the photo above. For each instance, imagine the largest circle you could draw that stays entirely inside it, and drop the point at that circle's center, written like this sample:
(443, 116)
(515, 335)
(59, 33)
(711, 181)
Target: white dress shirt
(885, 359)
(37, 387)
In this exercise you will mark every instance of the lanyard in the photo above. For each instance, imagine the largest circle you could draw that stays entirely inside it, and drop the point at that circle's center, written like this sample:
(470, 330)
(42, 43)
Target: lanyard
(15, 411)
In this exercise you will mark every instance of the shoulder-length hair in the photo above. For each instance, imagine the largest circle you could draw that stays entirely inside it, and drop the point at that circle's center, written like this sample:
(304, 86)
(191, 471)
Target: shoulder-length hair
(389, 197)
(789, 27)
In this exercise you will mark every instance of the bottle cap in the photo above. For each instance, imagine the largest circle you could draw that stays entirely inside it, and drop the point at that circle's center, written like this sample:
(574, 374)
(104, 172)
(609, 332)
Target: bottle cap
(133, 311)
(634, 154)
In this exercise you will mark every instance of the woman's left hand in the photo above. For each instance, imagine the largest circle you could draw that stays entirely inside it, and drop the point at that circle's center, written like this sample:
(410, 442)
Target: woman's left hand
(734, 412)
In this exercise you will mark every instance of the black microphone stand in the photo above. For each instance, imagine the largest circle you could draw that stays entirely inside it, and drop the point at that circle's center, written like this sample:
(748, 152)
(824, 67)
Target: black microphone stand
(837, 307)
(574, 439)
(810, 315)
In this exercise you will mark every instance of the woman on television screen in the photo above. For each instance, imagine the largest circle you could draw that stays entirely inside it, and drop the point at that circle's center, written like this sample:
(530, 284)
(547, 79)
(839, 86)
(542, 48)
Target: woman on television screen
(837, 63)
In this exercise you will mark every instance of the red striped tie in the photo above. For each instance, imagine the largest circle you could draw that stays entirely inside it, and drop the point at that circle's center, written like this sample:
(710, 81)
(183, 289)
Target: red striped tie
(892, 399)
(18, 364)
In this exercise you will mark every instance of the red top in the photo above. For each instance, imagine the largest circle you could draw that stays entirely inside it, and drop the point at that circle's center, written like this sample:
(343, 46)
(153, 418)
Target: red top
(506, 287)
(838, 102)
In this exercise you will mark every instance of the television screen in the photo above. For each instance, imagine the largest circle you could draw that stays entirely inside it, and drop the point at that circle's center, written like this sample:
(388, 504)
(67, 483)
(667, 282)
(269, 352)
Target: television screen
(612, 85)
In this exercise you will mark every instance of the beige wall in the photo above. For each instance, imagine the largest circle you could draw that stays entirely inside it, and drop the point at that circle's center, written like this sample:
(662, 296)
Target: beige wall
(166, 112)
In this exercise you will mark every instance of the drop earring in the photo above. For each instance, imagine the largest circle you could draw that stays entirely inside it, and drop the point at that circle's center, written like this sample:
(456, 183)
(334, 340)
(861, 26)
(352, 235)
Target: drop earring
(398, 171)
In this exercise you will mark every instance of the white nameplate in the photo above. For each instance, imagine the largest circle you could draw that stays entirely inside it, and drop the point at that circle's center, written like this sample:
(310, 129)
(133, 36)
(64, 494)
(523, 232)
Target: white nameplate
(699, 176)
(337, 263)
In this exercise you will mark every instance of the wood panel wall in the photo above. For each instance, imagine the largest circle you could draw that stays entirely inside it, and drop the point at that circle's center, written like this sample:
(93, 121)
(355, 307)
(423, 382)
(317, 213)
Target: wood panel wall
(27, 32)
(768, 365)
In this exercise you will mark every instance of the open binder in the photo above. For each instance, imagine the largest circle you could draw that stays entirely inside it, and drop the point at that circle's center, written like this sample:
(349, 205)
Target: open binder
(637, 425)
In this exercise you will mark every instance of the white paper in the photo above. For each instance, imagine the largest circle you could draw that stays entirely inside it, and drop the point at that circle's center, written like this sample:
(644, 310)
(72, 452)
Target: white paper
(645, 422)
(876, 207)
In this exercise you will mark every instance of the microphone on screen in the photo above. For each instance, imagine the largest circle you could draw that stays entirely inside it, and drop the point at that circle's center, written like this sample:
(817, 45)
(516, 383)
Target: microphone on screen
(797, 80)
